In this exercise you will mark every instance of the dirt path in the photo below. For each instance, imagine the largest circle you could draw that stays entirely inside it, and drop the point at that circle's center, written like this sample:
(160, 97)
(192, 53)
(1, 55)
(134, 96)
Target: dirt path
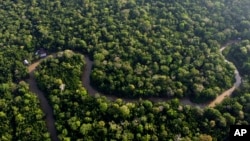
(46, 108)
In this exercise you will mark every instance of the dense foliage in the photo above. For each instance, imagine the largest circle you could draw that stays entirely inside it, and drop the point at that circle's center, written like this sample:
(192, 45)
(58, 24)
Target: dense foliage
(20, 114)
(140, 48)
(67, 77)
(12, 68)
(240, 54)
(162, 49)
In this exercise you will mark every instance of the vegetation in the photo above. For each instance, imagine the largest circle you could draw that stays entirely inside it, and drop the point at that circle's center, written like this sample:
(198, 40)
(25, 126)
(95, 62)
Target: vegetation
(71, 67)
(162, 49)
(80, 116)
(140, 48)
(20, 114)
(239, 54)
(12, 68)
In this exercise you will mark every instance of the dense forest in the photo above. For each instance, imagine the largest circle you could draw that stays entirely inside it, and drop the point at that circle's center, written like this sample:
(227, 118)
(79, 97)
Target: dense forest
(139, 49)
(240, 55)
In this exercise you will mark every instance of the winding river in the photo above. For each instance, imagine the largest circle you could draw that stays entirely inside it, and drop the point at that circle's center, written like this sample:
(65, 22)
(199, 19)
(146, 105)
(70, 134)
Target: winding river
(47, 109)
(185, 101)
(237, 83)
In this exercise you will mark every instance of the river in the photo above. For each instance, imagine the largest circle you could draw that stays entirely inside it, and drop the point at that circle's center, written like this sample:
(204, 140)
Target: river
(48, 111)
(185, 101)
(237, 83)
(45, 106)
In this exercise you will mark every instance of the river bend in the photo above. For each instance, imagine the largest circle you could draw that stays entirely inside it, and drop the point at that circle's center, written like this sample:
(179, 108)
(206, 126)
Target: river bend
(48, 111)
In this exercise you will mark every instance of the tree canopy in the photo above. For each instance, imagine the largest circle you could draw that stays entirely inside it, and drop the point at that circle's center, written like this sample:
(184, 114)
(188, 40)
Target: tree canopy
(139, 48)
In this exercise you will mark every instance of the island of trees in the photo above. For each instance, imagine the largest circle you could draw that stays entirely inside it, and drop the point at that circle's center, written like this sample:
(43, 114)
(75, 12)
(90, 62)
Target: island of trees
(140, 49)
